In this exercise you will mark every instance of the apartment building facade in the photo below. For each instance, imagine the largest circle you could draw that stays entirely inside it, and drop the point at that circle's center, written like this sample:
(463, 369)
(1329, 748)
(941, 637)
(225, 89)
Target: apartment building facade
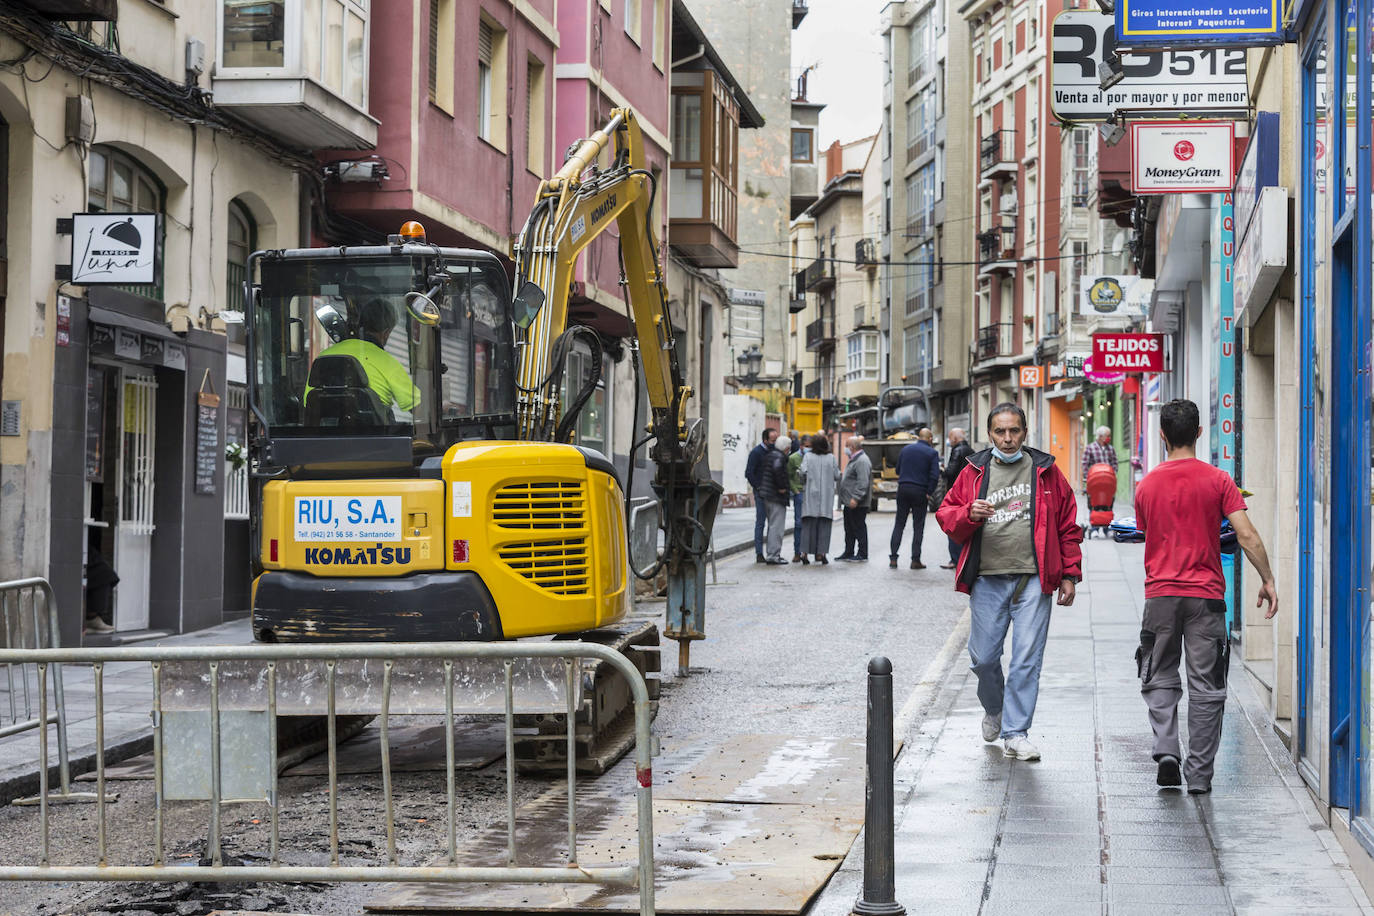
(103, 383)
(926, 314)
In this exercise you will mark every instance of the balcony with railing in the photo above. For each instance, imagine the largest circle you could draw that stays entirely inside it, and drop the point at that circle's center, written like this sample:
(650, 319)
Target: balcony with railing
(866, 254)
(703, 197)
(297, 70)
(820, 275)
(997, 245)
(994, 341)
(997, 154)
(820, 334)
(797, 301)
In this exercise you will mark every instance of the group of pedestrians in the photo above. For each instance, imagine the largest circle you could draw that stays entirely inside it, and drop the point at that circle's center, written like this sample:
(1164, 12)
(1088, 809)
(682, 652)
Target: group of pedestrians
(809, 478)
(1014, 517)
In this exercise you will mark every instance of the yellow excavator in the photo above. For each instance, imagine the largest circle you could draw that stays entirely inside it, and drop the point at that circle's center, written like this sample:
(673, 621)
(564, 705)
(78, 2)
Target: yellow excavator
(413, 475)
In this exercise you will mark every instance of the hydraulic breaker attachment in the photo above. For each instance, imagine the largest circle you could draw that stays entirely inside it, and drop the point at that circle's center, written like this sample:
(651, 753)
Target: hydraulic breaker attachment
(690, 513)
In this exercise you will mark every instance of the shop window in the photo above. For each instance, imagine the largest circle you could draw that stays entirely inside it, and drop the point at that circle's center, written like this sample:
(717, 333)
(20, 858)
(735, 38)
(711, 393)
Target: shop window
(118, 183)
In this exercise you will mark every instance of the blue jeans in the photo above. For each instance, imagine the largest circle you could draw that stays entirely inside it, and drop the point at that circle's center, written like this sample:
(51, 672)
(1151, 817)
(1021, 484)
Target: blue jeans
(796, 522)
(760, 519)
(993, 612)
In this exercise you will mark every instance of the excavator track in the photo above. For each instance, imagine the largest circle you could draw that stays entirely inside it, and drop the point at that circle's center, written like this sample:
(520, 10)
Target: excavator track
(604, 729)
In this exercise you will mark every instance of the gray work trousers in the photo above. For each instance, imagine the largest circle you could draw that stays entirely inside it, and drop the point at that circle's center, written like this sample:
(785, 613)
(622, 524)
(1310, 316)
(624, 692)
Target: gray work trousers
(1192, 630)
(777, 520)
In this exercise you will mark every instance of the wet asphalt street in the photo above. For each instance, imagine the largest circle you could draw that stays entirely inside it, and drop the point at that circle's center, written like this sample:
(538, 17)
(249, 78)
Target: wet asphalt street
(786, 653)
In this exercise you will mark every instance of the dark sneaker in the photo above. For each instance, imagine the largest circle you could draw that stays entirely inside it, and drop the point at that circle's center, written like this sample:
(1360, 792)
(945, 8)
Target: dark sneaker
(1199, 790)
(917, 564)
(892, 563)
(1168, 774)
(759, 558)
(776, 561)
(844, 556)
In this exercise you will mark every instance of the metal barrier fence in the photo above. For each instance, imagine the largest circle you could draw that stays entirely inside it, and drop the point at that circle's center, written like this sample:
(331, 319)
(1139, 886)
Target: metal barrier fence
(278, 677)
(25, 630)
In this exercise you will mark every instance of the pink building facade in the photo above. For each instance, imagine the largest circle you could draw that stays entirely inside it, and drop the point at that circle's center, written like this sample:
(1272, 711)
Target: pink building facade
(463, 91)
(612, 54)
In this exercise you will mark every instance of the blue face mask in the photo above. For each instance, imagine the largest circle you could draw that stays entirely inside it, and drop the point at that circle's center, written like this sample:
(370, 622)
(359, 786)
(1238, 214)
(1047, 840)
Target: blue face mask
(1008, 457)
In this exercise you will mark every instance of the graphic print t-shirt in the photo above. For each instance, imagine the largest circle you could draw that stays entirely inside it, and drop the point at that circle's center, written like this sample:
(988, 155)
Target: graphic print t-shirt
(1179, 505)
(1008, 547)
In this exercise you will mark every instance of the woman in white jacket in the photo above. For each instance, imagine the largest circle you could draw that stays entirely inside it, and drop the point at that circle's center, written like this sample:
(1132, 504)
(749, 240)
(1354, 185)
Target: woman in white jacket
(819, 472)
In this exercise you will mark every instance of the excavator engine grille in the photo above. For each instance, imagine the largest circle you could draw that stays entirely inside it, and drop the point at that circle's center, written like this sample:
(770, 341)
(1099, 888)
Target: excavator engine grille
(546, 505)
(557, 566)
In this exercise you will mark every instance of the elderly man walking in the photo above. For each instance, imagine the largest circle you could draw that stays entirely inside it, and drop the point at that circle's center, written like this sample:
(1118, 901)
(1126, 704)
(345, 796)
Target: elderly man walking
(856, 493)
(918, 471)
(1180, 505)
(1015, 514)
(1099, 451)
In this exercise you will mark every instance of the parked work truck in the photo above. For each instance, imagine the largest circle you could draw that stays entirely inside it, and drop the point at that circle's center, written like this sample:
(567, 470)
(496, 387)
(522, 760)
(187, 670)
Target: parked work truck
(899, 413)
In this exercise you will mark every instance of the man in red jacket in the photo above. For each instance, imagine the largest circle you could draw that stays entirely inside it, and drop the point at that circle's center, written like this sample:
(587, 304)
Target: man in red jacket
(1015, 515)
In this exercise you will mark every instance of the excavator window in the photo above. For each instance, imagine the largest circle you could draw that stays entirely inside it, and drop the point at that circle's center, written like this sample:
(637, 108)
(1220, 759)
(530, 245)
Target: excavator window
(338, 349)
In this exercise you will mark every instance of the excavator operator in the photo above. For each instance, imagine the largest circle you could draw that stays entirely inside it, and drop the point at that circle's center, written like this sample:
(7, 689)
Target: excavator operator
(385, 374)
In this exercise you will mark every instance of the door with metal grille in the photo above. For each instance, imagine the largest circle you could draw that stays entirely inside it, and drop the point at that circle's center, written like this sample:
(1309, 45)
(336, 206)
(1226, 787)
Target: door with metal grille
(134, 530)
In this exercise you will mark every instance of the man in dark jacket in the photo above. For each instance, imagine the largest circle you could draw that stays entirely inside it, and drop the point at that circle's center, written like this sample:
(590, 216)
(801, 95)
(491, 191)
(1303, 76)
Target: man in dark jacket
(775, 486)
(752, 470)
(1015, 514)
(918, 470)
(959, 451)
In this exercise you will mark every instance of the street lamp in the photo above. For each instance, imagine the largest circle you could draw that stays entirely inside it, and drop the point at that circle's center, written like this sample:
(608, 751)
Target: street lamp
(750, 362)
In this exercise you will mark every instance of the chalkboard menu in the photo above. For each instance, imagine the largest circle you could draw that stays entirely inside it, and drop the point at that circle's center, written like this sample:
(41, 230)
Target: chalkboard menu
(209, 454)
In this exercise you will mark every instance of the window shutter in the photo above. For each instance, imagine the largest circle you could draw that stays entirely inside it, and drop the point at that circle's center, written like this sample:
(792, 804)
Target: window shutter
(433, 49)
(484, 43)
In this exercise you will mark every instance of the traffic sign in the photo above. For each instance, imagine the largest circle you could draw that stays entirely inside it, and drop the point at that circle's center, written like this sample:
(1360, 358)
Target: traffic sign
(1161, 84)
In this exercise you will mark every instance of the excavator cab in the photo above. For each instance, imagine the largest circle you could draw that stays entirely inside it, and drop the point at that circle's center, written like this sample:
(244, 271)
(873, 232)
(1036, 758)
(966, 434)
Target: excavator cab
(379, 358)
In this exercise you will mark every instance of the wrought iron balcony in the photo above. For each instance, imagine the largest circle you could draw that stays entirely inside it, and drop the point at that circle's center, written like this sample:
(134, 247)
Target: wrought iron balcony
(994, 340)
(866, 253)
(997, 154)
(820, 334)
(997, 246)
(820, 275)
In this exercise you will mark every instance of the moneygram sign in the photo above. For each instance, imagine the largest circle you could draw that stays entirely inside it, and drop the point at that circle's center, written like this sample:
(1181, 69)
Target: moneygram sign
(1156, 85)
(1183, 157)
(1128, 353)
(1171, 24)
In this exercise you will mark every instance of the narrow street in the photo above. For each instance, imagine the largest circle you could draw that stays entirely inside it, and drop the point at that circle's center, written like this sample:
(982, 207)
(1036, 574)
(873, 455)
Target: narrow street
(786, 654)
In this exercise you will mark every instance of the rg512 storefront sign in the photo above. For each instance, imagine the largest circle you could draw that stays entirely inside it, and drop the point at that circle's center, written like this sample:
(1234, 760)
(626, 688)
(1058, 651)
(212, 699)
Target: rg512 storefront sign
(1133, 353)
(114, 248)
(1183, 157)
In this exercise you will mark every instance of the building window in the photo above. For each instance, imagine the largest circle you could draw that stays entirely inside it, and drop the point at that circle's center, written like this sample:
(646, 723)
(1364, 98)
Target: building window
(592, 424)
(491, 83)
(920, 121)
(861, 357)
(441, 40)
(242, 242)
(1078, 265)
(705, 164)
(658, 34)
(117, 183)
(632, 15)
(920, 45)
(535, 95)
(922, 361)
(802, 145)
(1032, 206)
(920, 202)
(325, 40)
(254, 34)
(1082, 165)
(920, 278)
(909, 347)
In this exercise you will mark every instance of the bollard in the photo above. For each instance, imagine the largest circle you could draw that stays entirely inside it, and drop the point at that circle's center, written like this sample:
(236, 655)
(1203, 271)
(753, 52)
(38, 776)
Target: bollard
(880, 877)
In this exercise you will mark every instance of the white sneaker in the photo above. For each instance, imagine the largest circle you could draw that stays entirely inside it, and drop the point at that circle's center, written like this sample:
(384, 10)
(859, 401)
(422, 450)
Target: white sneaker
(96, 625)
(992, 726)
(1021, 748)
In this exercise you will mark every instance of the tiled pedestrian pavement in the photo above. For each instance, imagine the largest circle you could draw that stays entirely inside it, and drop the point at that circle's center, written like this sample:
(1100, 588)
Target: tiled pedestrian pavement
(1086, 830)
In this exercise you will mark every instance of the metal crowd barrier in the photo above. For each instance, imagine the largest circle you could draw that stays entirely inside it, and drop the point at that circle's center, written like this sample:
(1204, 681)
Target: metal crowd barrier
(287, 686)
(25, 630)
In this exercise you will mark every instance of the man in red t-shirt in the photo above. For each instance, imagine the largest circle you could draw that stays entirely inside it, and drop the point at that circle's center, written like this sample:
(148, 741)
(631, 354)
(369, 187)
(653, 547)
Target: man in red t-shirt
(1180, 505)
